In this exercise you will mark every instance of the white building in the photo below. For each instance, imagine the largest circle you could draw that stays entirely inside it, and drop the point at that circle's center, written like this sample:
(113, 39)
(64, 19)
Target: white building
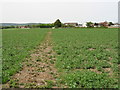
(80, 25)
(114, 26)
(84, 25)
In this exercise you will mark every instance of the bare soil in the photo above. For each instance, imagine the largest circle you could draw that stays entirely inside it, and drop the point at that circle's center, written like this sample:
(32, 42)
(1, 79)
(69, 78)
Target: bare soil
(38, 70)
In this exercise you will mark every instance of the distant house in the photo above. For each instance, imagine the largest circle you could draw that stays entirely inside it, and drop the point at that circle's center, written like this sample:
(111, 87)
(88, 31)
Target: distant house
(53, 27)
(23, 27)
(71, 24)
(114, 26)
(104, 24)
(84, 25)
(80, 25)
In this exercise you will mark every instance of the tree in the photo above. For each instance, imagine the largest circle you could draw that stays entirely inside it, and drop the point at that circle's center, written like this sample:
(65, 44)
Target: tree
(89, 24)
(57, 23)
(96, 24)
(110, 23)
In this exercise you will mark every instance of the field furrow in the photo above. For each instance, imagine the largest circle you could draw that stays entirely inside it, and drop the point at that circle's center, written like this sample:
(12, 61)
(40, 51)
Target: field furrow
(38, 70)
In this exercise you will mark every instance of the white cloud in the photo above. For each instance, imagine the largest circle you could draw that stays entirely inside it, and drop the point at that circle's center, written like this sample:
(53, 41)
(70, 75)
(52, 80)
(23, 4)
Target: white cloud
(66, 11)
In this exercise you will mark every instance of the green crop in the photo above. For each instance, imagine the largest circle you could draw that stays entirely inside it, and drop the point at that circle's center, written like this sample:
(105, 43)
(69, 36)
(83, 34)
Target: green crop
(92, 50)
(16, 46)
(85, 57)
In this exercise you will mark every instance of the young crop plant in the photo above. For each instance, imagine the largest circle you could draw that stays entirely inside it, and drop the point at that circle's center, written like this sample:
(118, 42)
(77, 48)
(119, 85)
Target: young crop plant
(17, 45)
(83, 55)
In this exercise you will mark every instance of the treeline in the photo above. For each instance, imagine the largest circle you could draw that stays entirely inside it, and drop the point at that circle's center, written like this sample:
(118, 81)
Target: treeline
(6, 27)
(30, 26)
(56, 24)
(41, 26)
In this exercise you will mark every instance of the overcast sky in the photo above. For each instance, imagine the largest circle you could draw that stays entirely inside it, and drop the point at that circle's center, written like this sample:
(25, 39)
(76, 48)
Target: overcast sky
(47, 11)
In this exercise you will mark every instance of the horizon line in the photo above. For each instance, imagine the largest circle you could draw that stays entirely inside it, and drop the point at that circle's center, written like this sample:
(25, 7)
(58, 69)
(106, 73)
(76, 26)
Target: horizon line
(61, 22)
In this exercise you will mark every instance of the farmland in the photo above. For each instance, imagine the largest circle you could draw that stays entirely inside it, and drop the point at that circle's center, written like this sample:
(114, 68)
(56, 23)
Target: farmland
(16, 46)
(85, 58)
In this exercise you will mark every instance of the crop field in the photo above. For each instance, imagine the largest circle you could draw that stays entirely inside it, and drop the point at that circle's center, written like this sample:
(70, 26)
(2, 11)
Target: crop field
(88, 58)
(16, 46)
(84, 57)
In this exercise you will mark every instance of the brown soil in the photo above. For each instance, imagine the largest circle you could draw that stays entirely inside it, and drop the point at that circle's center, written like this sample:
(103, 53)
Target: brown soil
(95, 70)
(91, 49)
(38, 70)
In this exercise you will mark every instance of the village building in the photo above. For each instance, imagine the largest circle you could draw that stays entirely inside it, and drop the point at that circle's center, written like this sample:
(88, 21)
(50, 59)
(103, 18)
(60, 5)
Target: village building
(80, 25)
(84, 25)
(23, 27)
(71, 24)
(114, 26)
(104, 24)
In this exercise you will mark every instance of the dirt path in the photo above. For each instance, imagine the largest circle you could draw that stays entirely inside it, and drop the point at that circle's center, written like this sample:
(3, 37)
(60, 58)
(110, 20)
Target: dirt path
(38, 70)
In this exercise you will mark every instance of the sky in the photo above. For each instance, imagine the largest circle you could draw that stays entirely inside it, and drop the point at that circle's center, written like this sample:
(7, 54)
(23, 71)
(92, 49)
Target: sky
(47, 11)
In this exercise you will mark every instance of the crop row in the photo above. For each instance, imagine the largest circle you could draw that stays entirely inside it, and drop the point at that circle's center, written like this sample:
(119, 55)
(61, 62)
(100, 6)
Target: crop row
(16, 47)
(87, 57)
